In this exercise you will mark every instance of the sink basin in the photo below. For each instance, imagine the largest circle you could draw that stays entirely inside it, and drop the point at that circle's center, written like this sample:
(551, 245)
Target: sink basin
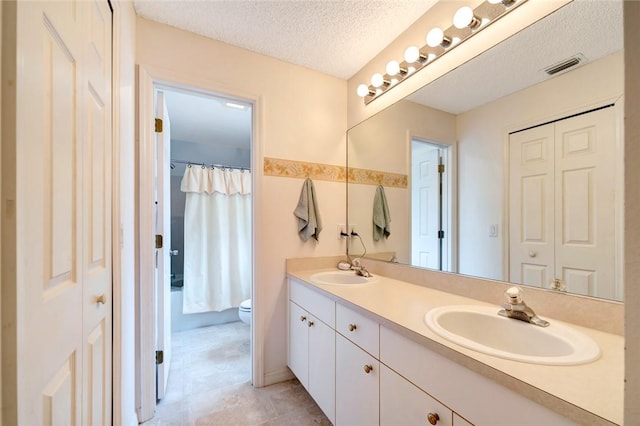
(481, 328)
(340, 278)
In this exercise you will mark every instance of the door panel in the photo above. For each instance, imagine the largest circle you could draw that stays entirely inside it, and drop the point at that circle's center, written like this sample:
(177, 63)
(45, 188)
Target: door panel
(97, 316)
(60, 397)
(586, 197)
(425, 204)
(531, 206)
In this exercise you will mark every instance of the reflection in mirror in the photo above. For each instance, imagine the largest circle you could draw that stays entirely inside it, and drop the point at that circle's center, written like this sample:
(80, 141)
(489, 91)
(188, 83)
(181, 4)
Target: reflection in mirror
(502, 171)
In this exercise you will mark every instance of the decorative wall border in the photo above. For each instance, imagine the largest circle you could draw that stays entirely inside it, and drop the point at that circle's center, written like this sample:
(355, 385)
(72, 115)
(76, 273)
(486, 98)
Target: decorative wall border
(375, 177)
(301, 170)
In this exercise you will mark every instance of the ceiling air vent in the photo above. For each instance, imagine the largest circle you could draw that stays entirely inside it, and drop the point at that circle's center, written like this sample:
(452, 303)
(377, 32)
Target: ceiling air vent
(565, 64)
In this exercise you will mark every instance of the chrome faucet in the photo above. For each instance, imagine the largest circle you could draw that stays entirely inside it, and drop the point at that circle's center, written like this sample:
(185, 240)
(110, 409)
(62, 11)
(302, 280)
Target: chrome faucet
(357, 266)
(517, 309)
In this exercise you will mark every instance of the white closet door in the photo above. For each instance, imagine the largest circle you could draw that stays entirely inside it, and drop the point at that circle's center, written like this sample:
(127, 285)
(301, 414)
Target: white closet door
(58, 339)
(585, 197)
(563, 204)
(531, 241)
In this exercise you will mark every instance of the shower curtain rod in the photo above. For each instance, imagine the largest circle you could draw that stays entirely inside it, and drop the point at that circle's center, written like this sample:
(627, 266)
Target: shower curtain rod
(194, 163)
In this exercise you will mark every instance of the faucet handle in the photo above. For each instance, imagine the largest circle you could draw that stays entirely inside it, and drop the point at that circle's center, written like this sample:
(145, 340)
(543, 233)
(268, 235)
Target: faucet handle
(513, 295)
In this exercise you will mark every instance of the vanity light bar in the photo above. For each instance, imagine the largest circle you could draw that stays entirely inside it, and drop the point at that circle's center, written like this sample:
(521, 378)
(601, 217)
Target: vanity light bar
(466, 22)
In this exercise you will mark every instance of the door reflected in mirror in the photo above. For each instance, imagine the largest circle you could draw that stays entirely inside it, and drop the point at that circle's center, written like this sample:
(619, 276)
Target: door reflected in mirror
(501, 171)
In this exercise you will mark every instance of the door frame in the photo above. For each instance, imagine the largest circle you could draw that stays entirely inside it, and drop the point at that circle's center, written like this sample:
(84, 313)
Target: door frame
(148, 79)
(618, 107)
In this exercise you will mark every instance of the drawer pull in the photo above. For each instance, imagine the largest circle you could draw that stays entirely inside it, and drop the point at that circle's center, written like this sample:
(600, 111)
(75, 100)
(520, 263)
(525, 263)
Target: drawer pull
(433, 418)
(303, 318)
(352, 327)
(310, 323)
(368, 369)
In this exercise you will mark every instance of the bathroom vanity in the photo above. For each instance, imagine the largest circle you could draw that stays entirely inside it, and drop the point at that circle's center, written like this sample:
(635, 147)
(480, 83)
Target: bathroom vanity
(366, 356)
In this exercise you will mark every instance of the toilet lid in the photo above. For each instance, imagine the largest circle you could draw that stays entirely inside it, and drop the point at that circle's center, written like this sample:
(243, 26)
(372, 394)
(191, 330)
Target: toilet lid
(246, 305)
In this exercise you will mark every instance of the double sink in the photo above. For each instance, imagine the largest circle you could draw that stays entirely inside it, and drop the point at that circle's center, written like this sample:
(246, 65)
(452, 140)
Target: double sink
(480, 328)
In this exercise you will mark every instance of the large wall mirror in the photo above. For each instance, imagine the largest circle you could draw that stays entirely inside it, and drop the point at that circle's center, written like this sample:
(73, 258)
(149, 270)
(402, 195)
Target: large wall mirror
(502, 170)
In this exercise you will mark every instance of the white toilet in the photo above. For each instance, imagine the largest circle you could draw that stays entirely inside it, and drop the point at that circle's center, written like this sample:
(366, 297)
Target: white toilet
(244, 311)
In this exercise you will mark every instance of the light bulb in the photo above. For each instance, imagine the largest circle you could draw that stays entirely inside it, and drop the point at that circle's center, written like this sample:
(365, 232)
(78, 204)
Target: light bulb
(435, 37)
(363, 90)
(411, 54)
(377, 80)
(393, 68)
(464, 17)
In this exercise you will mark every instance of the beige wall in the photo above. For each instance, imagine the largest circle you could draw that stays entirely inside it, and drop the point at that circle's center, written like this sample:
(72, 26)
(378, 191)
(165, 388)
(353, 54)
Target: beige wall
(383, 143)
(632, 213)
(301, 116)
(482, 138)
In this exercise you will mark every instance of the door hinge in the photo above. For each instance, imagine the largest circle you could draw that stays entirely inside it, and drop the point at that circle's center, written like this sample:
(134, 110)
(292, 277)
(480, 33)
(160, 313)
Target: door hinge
(158, 125)
(159, 357)
(441, 234)
(440, 168)
(158, 241)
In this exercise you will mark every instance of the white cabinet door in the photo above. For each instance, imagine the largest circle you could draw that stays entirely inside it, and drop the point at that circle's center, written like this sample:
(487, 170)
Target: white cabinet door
(402, 403)
(357, 385)
(322, 365)
(299, 343)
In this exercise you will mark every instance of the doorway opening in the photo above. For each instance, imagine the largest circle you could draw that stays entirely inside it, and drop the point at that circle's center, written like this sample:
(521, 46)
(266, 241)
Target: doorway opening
(204, 274)
(430, 205)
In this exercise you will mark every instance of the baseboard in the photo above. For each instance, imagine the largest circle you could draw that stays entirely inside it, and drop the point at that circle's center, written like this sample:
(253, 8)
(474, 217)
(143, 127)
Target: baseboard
(278, 376)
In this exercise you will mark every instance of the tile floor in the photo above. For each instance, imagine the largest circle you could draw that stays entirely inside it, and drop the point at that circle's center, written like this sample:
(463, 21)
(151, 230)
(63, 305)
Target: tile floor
(209, 384)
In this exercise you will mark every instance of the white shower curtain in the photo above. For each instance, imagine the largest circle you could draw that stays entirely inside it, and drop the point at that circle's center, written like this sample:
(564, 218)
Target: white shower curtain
(217, 238)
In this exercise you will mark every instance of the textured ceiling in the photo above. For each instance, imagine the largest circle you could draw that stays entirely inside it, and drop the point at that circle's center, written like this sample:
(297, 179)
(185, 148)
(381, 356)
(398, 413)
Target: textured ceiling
(590, 27)
(334, 37)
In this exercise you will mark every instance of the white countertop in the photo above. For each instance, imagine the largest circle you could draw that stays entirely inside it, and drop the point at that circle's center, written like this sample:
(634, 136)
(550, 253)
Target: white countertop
(596, 389)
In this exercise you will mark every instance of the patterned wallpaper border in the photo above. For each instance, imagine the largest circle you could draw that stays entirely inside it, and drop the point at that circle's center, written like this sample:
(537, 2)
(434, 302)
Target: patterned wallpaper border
(327, 172)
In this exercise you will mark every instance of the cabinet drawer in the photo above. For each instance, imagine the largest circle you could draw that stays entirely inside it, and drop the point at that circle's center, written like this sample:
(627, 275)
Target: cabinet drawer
(313, 302)
(474, 396)
(402, 403)
(361, 330)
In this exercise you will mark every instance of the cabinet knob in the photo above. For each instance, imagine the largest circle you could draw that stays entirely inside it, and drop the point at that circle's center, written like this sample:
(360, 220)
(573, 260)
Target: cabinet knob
(310, 323)
(303, 318)
(101, 300)
(368, 368)
(352, 327)
(433, 418)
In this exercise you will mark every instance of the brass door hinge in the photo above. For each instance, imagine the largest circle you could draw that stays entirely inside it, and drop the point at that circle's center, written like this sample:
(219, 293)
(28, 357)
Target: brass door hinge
(158, 241)
(440, 168)
(159, 357)
(158, 125)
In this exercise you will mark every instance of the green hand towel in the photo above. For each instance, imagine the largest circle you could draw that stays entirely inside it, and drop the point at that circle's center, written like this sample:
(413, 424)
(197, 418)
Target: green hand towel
(307, 212)
(381, 216)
